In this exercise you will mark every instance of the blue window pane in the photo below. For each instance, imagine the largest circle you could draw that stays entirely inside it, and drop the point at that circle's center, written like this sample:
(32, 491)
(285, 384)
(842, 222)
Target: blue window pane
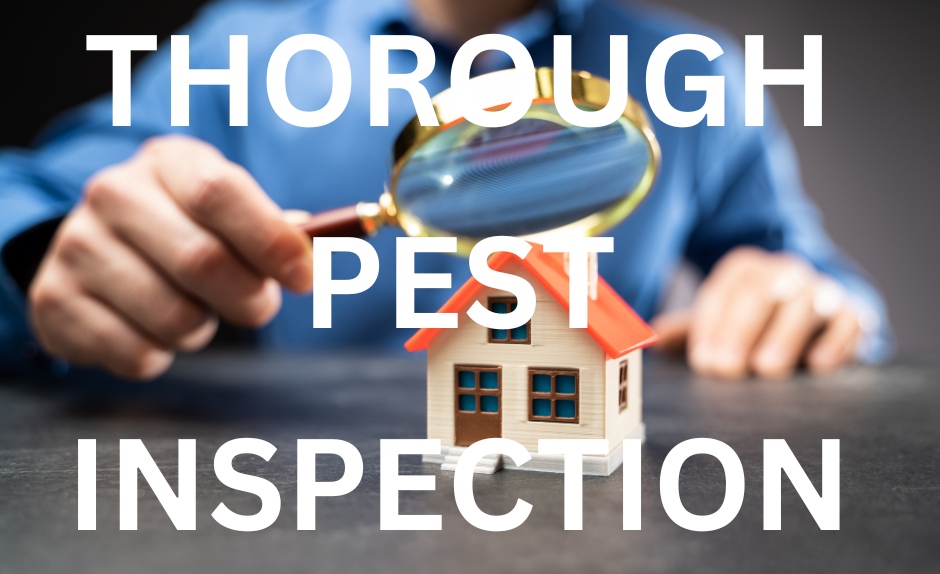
(564, 384)
(541, 407)
(564, 409)
(541, 383)
(499, 307)
(500, 334)
(512, 307)
(467, 403)
(489, 404)
(520, 333)
(465, 380)
(489, 380)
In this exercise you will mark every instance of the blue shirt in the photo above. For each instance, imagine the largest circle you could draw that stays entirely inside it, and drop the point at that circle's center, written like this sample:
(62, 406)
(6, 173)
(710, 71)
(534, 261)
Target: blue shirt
(719, 186)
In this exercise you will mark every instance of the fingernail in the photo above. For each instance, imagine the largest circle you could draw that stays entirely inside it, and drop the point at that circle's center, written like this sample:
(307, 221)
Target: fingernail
(700, 355)
(155, 362)
(729, 355)
(729, 360)
(296, 217)
(772, 362)
(200, 336)
(769, 358)
(821, 359)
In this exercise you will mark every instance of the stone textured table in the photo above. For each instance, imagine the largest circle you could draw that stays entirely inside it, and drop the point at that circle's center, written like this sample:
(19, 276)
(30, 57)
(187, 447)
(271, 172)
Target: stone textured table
(888, 420)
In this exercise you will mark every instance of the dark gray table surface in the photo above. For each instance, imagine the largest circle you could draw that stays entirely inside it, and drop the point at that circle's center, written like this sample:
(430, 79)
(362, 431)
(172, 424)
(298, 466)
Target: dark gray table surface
(887, 420)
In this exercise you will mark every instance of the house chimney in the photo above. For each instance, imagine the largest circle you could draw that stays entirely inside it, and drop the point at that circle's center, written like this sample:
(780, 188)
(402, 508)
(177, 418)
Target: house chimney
(592, 273)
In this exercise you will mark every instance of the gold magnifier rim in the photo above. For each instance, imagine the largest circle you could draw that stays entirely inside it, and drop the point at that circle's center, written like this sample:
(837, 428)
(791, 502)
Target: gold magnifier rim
(586, 89)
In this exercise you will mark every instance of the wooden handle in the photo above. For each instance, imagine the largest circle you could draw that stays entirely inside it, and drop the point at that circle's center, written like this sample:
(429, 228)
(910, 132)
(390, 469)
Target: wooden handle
(339, 222)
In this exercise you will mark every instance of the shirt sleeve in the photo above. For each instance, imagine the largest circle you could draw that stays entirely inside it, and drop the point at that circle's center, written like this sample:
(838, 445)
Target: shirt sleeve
(749, 192)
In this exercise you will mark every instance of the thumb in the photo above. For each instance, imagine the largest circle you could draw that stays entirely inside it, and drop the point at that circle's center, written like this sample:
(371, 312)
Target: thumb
(296, 217)
(673, 330)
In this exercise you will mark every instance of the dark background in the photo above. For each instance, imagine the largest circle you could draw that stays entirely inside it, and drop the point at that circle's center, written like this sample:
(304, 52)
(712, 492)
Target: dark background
(870, 167)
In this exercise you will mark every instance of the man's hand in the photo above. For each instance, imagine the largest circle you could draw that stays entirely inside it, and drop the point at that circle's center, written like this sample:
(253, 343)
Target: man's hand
(161, 245)
(763, 312)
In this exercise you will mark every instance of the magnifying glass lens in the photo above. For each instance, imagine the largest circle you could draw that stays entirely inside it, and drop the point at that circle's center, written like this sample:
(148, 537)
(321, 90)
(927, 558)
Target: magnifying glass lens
(538, 174)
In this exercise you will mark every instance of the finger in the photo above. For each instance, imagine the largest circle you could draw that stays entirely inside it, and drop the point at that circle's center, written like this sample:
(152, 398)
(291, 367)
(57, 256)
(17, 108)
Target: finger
(742, 305)
(80, 329)
(793, 325)
(708, 308)
(836, 345)
(296, 217)
(747, 307)
(223, 197)
(112, 272)
(673, 330)
(707, 314)
(730, 310)
(141, 213)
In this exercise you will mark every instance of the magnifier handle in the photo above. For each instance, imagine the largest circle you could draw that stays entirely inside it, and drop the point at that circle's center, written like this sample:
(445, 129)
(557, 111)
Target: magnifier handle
(339, 222)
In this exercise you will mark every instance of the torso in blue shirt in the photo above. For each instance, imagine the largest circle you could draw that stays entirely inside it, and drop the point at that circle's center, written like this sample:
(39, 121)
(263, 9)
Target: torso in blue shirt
(719, 186)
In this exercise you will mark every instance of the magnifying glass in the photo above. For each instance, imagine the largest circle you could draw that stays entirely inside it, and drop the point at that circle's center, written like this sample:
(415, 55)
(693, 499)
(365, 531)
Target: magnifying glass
(538, 176)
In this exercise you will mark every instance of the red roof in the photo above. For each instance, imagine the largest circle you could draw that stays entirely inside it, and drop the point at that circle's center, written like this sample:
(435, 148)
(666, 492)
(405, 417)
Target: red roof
(611, 322)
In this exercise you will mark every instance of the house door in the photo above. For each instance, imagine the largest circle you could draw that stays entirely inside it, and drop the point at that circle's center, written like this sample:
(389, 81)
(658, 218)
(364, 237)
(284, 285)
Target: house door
(478, 412)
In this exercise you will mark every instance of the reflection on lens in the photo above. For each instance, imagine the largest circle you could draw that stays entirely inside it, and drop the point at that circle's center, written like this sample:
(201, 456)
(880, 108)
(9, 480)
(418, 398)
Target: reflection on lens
(535, 175)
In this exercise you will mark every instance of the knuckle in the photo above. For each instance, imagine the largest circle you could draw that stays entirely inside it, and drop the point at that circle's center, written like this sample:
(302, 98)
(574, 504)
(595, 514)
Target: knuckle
(208, 192)
(276, 245)
(735, 261)
(760, 287)
(74, 243)
(103, 188)
(202, 259)
(797, 264)
(44, 296)
(181, 318)
(746, 255)
(152, 145)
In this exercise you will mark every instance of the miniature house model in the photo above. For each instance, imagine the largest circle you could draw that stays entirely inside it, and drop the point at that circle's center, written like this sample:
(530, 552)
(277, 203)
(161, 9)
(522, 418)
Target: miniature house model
(541, 380)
